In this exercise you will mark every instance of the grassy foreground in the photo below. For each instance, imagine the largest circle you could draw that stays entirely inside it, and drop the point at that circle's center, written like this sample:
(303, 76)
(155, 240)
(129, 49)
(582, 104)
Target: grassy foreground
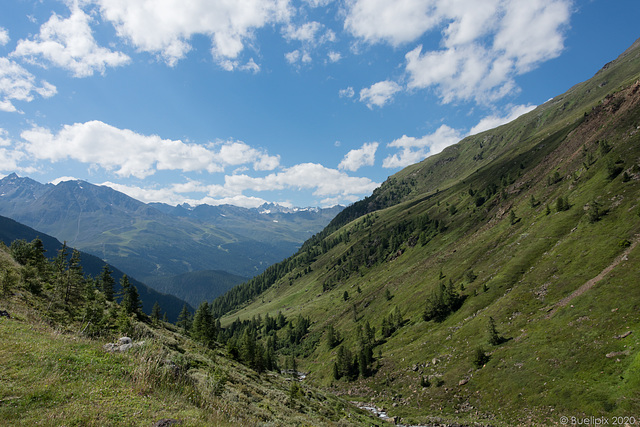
(53, 375)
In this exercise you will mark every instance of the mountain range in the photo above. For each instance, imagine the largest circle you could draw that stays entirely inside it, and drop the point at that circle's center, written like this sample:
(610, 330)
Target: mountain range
(151, 241)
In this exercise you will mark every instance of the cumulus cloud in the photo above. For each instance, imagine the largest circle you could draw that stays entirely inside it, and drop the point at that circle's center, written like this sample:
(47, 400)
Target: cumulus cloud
(395, 22)
(69, 44)
(4, 36)
(323, 181)
(355, 159)
(494, 121)
(379, 93)
(165, 28)
(414, 150)
(18, 84)
(128, 153)
(335, 186)
(484, 44)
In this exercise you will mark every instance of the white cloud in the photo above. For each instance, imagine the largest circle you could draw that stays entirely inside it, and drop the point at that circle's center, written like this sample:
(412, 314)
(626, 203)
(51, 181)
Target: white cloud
(131, 154)
(485, 44)
(18, 84)
(347, 92)
(10, 160)
(379, 93)
(335, 186)
(324, 181)
(414, 150)
(334, 56)
(298, 56)
(395, 22)
(491, 122)
(355, 159)
(165, 28)
(69, 44)
(531, 31)
(4, 36)
(305, 33)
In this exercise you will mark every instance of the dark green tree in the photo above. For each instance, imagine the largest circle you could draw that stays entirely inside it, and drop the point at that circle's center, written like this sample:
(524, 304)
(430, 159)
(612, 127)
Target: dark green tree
(155, 311)
(106, 283)
(203, 327)
(494, 337)
(184, 319)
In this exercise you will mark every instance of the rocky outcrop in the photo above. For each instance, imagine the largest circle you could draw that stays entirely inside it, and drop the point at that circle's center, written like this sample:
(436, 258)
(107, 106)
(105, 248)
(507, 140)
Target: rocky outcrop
(123, 344)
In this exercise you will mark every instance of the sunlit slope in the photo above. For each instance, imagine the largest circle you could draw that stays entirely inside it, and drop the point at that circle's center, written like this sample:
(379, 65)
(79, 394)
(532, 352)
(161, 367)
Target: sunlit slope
(533, 224)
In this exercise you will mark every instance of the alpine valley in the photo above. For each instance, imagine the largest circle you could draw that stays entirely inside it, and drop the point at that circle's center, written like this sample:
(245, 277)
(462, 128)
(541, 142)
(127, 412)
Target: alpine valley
(495, 283)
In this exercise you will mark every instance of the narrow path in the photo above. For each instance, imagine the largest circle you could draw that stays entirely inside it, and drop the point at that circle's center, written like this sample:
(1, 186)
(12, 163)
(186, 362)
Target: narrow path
(589, 284)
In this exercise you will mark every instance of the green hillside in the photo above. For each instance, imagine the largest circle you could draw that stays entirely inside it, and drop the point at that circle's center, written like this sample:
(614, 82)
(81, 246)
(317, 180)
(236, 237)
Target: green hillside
(57, 369)
(496, 282)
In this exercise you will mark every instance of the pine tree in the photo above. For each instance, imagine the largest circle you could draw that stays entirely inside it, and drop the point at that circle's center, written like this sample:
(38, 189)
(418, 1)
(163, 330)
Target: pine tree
(155, 311)
(130, 297)
(184, 319)
(106, 282)
(202, 329)
(494, 336)
(60, 266)
(74, 280)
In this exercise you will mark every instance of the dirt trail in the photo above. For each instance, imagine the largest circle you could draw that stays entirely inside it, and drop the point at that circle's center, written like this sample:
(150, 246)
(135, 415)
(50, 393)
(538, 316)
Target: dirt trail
(589, 284)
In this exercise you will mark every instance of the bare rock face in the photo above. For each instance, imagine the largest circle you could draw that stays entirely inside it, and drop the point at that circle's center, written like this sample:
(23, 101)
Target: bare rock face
(124, 344)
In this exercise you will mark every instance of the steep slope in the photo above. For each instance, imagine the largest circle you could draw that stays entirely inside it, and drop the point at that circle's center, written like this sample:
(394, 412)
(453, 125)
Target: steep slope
(500, 276)
(11, 230)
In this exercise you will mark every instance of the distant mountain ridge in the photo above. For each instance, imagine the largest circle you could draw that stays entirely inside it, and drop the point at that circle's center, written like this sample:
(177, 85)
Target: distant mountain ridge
(158, 240)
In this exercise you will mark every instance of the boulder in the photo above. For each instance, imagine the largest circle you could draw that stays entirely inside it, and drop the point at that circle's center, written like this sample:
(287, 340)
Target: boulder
(124, 344)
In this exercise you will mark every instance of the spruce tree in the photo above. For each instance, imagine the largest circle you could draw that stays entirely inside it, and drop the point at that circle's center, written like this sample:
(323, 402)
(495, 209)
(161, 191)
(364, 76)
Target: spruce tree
(106, 282)
(184, 319)
(155, 311)
(494, 336)
(202, 329)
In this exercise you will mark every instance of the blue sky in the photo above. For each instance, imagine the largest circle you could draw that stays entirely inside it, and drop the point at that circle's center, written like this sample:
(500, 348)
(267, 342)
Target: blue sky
(303, 103)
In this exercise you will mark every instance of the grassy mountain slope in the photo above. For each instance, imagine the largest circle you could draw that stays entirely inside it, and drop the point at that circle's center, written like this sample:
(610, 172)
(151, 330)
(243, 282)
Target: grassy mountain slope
(11, 230)
(534, 224)
(53, 374)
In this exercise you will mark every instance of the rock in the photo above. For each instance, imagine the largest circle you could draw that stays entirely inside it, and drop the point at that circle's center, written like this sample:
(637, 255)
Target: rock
(124, 344)
(618, 337)
(124, 341)
(463, 381)
(617, 353)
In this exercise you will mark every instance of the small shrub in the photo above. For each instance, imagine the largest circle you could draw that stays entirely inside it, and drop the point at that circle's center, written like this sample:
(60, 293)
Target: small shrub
(480, 358)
